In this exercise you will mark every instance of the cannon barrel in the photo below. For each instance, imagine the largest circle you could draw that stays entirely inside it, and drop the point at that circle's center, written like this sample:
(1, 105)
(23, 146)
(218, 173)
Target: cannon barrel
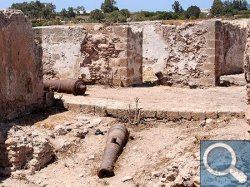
(70, 86)
(116, 140)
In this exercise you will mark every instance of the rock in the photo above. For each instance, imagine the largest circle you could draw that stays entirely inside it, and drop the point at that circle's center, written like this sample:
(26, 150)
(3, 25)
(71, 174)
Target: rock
(209, 121)
(171, 175)
(163, 179)
(91, 157)
(196, 181)
(127, 178)
(50, 134)
(94, 122)
(156, 174)
(60, 130)
(135, 148)
(97, 27)
(159, 184)
(79, 133)
(203, 123)
(197, 155)
(81, 175)
(99, 132)
(28, 152)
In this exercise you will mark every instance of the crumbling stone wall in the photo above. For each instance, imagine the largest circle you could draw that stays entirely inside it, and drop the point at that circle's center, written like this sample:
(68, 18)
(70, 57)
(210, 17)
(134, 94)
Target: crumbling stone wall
(178, 51)
(100, 53)
(21, 86)
(110, 55)
(193, 53)
(231, 40)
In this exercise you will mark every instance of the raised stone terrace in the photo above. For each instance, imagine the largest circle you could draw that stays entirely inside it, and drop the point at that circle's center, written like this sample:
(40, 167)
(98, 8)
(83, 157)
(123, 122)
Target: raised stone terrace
(161, 102)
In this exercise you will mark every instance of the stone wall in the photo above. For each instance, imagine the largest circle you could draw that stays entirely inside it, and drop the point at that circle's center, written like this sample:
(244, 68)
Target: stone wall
(192, 53)
(247, 72)
(231, 40)
(178, 51)
(93, 52)
(135, 38)
(21, 86)
(61, 50)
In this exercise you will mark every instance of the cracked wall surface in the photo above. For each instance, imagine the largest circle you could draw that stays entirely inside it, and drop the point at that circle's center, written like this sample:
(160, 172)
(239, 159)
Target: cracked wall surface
(21, 86)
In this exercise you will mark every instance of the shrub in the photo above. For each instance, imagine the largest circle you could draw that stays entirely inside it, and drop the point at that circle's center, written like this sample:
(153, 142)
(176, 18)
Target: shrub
(117, 16)
(96, 16)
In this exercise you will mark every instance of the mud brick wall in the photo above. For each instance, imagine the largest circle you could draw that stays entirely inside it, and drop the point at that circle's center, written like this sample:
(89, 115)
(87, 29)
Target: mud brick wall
(21, 86)
(92, 52)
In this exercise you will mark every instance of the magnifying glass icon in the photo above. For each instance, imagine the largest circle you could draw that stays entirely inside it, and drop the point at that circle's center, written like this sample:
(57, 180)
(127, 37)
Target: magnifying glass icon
(236, 173)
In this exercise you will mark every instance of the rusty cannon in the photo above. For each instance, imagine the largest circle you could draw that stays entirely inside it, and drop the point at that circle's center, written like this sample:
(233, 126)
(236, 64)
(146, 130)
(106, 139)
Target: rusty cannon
(116, 140)
(70, 86)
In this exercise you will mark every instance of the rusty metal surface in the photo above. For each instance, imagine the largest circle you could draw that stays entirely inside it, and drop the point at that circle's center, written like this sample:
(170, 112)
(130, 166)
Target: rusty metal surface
(116, 140)
(70, 86)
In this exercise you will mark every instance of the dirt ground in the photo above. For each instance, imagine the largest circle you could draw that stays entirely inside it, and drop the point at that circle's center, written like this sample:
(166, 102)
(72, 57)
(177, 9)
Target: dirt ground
(158, 153)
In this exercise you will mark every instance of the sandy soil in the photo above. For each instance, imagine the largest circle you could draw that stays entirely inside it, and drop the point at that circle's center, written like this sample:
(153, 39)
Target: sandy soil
(157, 153)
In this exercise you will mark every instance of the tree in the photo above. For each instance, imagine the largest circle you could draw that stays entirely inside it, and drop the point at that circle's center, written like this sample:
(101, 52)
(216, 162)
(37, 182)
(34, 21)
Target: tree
(217, 8)
(118, 16)
(193, 12)
(177, 7)
(109, 6)
(80, 10)
(125, 12)
(239, 4)
(163, 15)
(71, 13)
(96, 15)
(64, 13)
(36, 9)
(49, 11)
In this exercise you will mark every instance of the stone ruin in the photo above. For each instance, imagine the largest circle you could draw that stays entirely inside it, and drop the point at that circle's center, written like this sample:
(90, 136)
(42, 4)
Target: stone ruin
(111, 55)
(191, 54)
(21, 87)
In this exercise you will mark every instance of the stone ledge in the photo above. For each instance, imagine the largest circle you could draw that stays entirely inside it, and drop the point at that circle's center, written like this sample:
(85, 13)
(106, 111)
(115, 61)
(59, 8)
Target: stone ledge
(159, 115)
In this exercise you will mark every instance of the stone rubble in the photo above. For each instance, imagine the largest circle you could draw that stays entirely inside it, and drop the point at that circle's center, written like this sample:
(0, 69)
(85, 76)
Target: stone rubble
(31, 148)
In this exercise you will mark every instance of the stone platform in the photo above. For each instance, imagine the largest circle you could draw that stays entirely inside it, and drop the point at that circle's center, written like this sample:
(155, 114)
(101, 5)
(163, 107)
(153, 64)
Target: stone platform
(161, 102)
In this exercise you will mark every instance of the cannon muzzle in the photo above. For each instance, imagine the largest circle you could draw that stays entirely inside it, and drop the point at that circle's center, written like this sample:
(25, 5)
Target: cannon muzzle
(116, 141)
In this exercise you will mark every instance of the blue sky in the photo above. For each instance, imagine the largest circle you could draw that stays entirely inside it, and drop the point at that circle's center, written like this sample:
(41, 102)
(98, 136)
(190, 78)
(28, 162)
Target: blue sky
(132, 5)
